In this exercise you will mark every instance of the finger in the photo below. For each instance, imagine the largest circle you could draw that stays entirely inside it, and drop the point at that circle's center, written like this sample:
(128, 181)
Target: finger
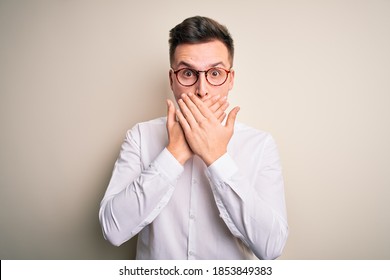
(211, 100)
(200, 110)
(183, 121)
(222, 117)
(232, 117)
(221, 110)
(218, 103)
(170, 113)
(191, 109)
(187, 113)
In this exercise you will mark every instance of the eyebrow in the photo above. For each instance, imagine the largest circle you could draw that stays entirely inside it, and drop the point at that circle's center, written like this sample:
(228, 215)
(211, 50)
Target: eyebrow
(186, 64)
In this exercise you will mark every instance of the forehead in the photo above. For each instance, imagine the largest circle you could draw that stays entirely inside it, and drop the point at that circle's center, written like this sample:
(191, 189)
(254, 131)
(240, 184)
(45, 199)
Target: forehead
(202, 55)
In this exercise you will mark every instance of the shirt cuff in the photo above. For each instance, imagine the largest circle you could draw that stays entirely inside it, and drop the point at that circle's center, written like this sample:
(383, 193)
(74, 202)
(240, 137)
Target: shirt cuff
(167, 164)
(222, 169)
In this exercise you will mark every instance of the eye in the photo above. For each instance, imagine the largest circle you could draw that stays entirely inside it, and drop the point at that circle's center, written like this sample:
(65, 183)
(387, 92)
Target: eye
(188, 73)
(214, 72)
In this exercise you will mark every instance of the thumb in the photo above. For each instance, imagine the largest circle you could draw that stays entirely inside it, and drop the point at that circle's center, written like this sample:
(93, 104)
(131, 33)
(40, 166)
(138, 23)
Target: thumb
(170, 113)
(232, 117)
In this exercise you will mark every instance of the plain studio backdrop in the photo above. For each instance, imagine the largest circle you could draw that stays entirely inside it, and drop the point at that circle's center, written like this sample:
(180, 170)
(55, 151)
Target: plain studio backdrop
(76, 75)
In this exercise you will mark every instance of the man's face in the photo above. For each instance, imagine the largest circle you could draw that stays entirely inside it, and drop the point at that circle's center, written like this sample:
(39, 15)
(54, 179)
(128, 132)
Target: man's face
(201, 57)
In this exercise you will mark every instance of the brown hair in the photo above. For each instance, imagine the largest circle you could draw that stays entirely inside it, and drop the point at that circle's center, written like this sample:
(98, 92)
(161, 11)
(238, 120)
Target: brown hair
(199, 30)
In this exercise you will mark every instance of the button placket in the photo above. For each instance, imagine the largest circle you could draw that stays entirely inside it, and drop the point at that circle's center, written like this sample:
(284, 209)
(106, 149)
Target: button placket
(192, 213)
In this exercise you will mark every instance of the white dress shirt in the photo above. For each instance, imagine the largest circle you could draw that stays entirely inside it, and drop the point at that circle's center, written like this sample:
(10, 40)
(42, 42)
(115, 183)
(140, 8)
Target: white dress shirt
(233, 209)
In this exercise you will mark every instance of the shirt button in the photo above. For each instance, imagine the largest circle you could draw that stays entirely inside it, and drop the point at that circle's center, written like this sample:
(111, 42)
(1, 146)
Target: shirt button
(192, 217)
(191, 253)
(194, 181)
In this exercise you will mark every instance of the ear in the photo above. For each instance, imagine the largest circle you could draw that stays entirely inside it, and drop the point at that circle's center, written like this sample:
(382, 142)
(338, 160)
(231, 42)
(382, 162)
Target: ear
(171, 78)
(231, 81)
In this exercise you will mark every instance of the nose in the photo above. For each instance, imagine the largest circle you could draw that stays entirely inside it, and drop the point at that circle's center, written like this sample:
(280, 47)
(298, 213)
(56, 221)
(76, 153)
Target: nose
(201, 86)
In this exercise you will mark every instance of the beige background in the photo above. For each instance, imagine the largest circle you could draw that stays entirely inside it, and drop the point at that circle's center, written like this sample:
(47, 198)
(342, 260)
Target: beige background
(75, 75)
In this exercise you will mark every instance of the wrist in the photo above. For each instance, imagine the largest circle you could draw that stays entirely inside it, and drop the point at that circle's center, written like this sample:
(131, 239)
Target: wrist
(209, 159)
(180, 155)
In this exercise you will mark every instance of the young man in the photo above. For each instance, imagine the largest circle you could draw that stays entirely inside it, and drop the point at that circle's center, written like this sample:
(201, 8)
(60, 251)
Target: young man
(197, 184)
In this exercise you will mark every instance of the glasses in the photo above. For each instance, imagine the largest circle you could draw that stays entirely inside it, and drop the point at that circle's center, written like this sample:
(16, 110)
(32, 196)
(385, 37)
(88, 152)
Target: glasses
(215, 76)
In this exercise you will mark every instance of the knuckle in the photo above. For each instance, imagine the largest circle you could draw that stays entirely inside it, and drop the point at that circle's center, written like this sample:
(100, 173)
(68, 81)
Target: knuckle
(203, 123)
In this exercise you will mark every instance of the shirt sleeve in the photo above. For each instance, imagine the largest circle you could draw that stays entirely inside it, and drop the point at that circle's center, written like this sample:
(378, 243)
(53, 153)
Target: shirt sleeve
(252, 204)
(136, 195)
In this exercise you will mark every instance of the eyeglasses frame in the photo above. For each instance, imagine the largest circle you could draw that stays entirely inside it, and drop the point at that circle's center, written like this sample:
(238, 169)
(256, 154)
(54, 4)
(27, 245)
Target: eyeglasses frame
(198, 74)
